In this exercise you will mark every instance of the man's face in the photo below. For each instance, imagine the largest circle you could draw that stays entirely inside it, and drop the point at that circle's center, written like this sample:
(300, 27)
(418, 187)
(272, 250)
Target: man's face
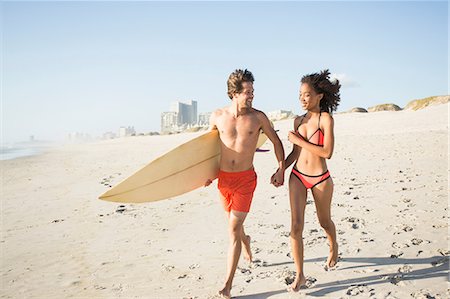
(245, 98)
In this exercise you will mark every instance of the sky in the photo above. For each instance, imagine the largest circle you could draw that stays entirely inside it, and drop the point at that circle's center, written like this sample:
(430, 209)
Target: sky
(91, 67)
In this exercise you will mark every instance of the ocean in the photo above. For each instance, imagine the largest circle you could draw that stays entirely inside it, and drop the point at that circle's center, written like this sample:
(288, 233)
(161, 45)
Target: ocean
(23, 149)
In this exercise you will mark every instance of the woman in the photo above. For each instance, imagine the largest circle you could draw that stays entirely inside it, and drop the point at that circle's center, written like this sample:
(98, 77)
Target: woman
(313, 141)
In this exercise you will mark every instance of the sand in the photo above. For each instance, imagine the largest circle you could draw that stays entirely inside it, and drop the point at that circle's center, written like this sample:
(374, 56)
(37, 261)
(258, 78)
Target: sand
(390, 207)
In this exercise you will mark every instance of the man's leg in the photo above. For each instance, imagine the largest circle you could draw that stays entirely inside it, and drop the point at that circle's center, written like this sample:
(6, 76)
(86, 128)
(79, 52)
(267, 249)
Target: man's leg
(235, 222)
(245, 242)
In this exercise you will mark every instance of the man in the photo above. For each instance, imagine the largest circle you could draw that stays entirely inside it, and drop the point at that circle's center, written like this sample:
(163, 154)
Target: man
(239, 127)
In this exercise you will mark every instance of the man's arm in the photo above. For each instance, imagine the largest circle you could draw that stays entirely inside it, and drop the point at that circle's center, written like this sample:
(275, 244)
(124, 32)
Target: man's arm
(278, 177)
(212, 121)
(212, 126)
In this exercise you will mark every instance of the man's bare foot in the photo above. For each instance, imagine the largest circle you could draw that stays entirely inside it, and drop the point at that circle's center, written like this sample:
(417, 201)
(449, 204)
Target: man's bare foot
(298, 284)
(225, 293)
(247, 251)
(333, 257)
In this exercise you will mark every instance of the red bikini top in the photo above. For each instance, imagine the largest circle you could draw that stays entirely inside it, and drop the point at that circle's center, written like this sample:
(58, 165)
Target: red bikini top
(317, 137)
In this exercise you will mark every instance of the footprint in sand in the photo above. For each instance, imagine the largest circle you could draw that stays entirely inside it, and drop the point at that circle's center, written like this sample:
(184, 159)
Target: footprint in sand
(423, 294)
(277, 226)
(286, 276)
(316, 240)
(244, 271)
(167, 268)
(368, 270)
(310, 281)
(405, 269)
(356, 223)
(439, 225)
(416, 241)
(396, 255)
(440, 261)
(399, 245)
(121, 209)
(403, 228)
(256, 250)
(367, 240)
(258, 263)
(285, 234)
(359, 289)
(265, 274)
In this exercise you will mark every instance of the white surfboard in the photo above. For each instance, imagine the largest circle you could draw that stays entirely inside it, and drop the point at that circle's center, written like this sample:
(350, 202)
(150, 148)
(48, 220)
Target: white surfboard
(183, 169)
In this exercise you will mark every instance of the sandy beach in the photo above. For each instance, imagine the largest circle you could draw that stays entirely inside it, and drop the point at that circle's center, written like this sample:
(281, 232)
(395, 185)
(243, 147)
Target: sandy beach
(390, 207)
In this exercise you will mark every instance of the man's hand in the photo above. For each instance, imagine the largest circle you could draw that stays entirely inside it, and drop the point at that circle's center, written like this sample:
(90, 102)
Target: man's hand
(208, 182)
(277, 178)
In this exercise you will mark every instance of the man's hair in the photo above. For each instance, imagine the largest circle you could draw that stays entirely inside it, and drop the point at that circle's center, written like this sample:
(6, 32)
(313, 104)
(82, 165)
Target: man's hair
(236, 79)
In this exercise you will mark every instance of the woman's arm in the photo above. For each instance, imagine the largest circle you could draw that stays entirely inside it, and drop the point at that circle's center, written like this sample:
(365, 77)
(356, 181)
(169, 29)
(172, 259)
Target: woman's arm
(325, 151)
(293, 156)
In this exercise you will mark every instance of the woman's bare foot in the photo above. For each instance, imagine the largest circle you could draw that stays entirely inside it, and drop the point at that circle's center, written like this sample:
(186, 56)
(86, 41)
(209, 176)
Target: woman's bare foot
(333, 257)
(298, 284)
(225, 293)
(247, 252)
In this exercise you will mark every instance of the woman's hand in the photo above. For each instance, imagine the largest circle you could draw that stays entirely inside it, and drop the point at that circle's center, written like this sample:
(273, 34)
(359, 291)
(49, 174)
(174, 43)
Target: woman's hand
(294, 138)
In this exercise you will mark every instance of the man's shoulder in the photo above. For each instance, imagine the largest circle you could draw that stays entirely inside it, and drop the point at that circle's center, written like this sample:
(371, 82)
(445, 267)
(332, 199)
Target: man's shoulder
(219, 111)
(258, 113)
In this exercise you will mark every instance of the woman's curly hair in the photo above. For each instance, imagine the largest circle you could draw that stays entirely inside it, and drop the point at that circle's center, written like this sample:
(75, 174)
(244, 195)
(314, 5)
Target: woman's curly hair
(322, 84)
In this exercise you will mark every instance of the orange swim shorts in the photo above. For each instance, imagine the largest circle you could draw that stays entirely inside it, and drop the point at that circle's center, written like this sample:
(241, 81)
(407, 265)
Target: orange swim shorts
(236, 189)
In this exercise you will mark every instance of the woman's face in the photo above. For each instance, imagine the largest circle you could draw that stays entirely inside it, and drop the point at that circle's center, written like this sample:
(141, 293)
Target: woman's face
(309, 99)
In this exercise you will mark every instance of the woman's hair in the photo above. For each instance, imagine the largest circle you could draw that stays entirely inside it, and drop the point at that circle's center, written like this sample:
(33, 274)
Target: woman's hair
(236, 79)
(321, 84)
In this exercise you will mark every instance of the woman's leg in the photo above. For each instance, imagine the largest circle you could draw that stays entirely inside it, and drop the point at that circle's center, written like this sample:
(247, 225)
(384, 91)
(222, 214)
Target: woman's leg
(323, 194)
(297, 196)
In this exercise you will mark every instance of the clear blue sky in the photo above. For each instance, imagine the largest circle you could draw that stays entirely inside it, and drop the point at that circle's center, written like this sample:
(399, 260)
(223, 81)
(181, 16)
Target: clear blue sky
(95, 66)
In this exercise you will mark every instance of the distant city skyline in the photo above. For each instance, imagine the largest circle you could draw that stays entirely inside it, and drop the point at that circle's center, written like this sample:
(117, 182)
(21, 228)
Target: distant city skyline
(181, 115)
(93, 67)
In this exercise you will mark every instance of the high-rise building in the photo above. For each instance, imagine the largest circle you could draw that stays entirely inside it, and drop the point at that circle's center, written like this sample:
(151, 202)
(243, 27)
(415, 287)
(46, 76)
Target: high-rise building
(169, 121)
(126, 131)
(180, 115)
(187, 112)
(203, 118)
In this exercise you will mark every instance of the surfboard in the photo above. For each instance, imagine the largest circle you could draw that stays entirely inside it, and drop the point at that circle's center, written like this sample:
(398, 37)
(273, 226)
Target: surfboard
(183, 169)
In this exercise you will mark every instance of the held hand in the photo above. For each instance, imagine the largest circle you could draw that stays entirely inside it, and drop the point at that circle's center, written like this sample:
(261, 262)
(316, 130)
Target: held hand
(208, 182)
(277, 178)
